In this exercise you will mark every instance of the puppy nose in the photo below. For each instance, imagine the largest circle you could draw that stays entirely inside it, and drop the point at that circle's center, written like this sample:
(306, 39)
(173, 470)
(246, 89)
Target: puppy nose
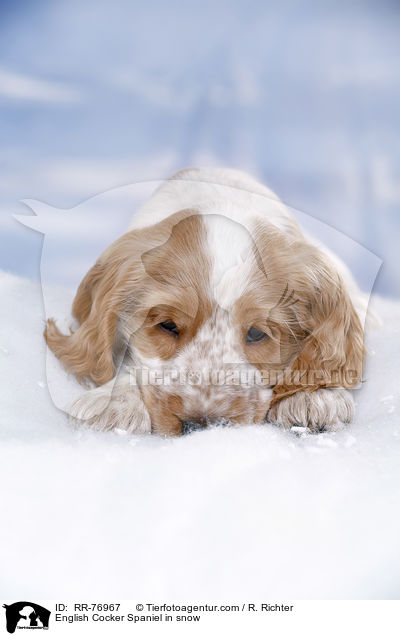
(197, 423)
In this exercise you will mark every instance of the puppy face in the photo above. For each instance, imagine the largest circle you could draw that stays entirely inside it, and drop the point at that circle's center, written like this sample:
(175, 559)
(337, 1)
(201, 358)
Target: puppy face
(221, 312)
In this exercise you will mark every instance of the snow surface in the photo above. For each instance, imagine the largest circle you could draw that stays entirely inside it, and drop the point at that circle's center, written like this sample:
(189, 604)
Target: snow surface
(252, 512)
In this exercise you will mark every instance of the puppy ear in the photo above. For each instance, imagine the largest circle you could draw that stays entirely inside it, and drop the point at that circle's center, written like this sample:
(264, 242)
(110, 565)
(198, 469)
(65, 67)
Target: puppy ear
(332, 352)
(99, 301)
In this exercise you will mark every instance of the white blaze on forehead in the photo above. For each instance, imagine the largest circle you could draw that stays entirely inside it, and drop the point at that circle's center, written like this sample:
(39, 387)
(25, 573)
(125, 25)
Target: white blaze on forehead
(217, 342)
(230, 248)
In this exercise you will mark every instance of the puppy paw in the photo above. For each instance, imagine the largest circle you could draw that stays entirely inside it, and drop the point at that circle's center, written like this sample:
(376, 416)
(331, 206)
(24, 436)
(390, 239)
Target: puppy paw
(102, 411)
(320, 410)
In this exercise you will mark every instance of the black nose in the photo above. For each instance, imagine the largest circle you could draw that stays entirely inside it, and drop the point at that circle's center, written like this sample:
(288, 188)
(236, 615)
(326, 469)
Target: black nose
(198, 423)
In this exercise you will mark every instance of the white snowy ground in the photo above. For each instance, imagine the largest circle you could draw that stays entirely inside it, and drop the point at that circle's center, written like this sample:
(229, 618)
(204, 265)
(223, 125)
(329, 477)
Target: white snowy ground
(222, 514)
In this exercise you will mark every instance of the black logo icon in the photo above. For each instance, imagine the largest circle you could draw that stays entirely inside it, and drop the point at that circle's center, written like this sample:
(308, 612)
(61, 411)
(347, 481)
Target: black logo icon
(26, 615)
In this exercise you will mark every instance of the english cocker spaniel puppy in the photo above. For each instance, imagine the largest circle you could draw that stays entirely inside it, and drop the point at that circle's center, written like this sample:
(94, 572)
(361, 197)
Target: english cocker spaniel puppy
(214, 308)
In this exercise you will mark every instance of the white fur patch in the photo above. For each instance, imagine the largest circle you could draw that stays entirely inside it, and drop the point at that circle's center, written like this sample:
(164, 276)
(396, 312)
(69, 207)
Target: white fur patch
(215, 191)
(112, 405)
(323, 409)
(229, 246)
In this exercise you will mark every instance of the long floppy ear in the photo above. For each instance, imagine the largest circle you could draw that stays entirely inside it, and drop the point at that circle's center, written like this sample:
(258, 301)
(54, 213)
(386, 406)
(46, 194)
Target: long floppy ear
(99, 301)
(332, 353)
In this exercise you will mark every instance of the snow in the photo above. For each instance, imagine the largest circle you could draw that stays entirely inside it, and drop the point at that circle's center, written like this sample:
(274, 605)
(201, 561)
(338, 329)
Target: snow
(252, 512)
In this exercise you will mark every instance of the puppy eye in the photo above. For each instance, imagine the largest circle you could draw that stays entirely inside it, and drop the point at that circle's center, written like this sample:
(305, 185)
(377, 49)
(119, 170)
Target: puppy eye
(255, 335)
(169, 325)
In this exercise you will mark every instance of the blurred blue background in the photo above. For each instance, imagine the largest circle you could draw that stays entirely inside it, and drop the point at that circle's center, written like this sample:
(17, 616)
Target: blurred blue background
(304, 95)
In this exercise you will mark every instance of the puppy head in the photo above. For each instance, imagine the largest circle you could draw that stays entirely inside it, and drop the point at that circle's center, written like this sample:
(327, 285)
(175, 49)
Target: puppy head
(203, 294)
(112, 288)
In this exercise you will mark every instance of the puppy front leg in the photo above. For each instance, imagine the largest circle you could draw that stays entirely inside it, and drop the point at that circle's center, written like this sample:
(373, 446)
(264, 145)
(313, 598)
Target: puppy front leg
(116, 404)
(324, 409)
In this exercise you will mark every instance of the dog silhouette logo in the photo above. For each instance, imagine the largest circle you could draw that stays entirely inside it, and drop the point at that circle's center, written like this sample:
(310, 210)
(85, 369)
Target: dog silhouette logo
(26, 615)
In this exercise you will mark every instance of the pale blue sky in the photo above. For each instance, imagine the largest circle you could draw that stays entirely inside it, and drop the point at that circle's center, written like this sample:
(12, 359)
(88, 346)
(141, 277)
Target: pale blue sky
(305, 95)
